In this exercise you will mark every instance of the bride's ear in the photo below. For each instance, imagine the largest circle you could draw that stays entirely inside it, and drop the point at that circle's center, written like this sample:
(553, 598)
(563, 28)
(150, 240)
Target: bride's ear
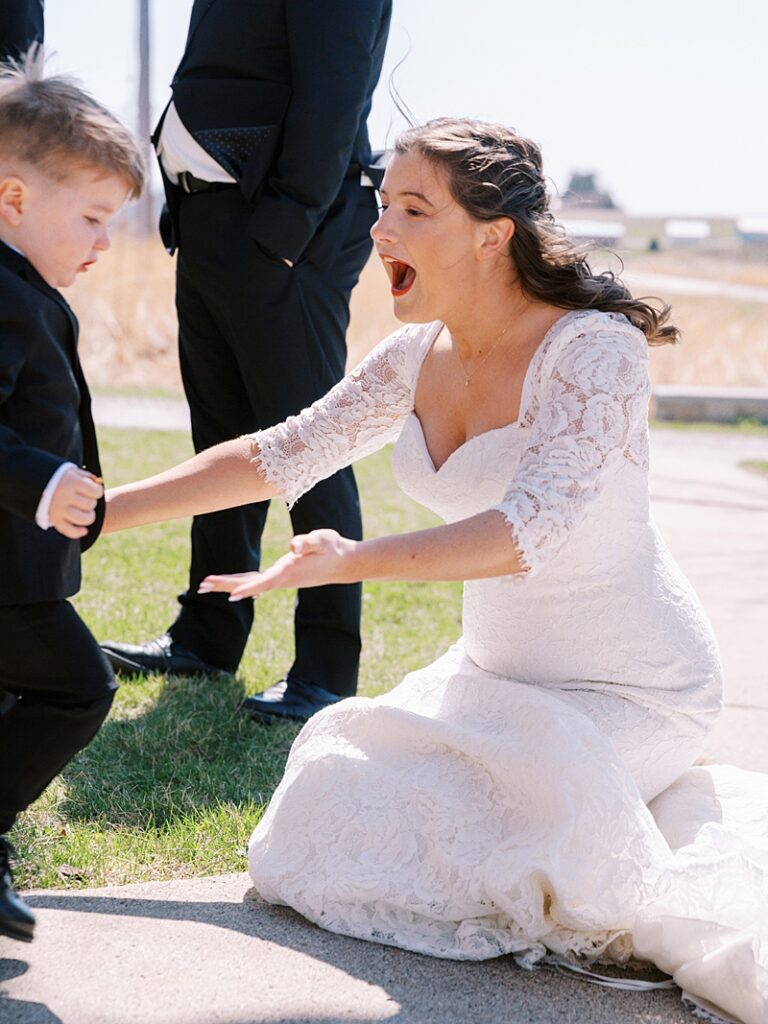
(496, 236)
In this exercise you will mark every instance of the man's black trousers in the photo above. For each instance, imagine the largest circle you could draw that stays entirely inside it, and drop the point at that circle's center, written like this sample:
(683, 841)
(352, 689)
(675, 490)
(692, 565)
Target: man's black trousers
(57, 689)
(260, 341)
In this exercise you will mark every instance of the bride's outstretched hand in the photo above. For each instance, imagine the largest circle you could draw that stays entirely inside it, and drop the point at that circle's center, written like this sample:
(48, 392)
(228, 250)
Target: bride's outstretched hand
(315, 559)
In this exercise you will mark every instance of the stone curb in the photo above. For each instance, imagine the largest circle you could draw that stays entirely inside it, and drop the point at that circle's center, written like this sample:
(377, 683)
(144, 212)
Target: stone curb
(710, 405)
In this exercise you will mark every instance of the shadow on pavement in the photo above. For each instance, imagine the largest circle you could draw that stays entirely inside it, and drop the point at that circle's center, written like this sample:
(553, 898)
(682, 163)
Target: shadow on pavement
(421, 989)
(21, 1009)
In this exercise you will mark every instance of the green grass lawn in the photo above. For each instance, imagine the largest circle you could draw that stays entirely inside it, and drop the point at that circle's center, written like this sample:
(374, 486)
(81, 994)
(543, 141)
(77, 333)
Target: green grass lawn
(176, 780)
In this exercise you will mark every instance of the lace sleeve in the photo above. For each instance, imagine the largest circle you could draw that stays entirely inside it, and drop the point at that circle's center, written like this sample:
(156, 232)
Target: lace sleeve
(592, 402)
(360, 415)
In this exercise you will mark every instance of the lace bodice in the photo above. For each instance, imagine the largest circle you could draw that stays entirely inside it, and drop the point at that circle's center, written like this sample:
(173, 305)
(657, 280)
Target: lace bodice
(583, 412)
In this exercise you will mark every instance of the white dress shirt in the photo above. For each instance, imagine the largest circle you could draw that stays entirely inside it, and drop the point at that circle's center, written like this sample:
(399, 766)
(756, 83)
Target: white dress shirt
(179, 152)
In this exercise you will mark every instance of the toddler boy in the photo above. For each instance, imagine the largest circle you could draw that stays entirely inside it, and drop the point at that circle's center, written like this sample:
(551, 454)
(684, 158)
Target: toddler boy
(66, 168)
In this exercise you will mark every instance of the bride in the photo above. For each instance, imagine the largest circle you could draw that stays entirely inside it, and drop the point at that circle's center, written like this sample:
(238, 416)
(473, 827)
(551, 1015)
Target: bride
(497, 801)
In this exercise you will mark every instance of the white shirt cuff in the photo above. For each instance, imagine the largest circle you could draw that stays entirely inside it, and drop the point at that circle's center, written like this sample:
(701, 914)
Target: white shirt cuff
(44, 505)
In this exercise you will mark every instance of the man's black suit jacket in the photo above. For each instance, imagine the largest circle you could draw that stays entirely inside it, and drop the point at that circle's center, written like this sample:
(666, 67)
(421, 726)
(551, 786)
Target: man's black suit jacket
(21, 24)
(45, 420)
(278, 92)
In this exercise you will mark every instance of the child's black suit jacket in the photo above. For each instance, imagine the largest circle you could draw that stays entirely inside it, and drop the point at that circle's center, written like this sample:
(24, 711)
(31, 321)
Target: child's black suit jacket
(45, 420)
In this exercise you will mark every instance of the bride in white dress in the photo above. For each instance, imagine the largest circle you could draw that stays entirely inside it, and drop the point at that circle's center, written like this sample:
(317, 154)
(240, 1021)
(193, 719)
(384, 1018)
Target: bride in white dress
(531, 792)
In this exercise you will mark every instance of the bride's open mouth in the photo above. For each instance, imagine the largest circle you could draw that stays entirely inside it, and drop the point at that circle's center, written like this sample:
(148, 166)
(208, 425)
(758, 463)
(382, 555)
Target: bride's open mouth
(402, 275)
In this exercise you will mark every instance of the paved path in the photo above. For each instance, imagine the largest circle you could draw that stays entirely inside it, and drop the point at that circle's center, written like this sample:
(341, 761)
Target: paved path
(671, 284)
(714, 517)
(207, 950)
(131, 411)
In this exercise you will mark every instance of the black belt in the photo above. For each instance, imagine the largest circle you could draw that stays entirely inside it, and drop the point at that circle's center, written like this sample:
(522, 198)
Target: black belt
(191, 185)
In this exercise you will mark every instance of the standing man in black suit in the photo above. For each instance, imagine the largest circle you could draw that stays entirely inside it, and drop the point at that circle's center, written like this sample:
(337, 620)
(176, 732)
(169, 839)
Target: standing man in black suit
(66, 169)
(265, 158)
(21, 24)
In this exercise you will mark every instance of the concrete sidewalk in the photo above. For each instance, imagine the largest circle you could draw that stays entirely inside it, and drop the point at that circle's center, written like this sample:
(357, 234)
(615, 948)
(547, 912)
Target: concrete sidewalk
(713, 515)
(209, 950)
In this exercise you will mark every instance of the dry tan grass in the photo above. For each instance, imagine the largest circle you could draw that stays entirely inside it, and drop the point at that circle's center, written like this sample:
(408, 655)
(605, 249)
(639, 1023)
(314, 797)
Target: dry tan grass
(127, 317)
(749, 268)
(725, 344)
(128, 320)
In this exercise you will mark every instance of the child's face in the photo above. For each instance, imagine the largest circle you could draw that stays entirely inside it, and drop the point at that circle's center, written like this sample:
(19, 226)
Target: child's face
(63, 225)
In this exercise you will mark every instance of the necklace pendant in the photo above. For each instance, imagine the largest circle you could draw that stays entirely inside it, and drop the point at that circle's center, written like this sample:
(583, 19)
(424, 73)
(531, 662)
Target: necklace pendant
(466, 383)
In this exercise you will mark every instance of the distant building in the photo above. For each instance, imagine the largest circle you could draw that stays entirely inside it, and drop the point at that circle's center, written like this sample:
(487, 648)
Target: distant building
(753, 230)
(583, 193)
(588, 213)
(605, 233)
(687, 231)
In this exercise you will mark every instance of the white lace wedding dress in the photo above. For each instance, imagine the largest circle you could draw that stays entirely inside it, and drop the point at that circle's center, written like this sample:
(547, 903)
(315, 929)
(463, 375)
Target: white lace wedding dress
(496, 801)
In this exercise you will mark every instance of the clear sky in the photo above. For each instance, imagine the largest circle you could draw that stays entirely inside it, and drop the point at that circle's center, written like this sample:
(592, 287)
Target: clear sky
(666, 99)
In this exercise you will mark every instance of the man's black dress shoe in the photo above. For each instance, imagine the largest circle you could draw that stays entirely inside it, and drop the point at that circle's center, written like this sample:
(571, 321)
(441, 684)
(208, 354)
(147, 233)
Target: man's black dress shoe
(162, 656)
(288, 700)
(16, 919)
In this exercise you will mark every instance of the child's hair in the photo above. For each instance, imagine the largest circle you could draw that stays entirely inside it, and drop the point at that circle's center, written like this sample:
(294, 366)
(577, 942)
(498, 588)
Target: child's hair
(54, 125)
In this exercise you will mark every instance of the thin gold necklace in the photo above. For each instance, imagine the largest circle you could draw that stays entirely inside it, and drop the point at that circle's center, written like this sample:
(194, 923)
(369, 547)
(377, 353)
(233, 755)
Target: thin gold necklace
(468, 376)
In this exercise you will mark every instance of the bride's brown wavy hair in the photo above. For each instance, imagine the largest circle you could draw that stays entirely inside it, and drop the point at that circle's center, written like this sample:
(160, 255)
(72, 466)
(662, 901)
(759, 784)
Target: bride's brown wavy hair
(493, 172)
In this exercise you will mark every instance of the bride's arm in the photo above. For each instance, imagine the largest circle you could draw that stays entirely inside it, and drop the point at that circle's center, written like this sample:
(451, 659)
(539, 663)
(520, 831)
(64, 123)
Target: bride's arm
(596, 395)
(364, 411)
(221, 477)
(470, 549)
(473, 548)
